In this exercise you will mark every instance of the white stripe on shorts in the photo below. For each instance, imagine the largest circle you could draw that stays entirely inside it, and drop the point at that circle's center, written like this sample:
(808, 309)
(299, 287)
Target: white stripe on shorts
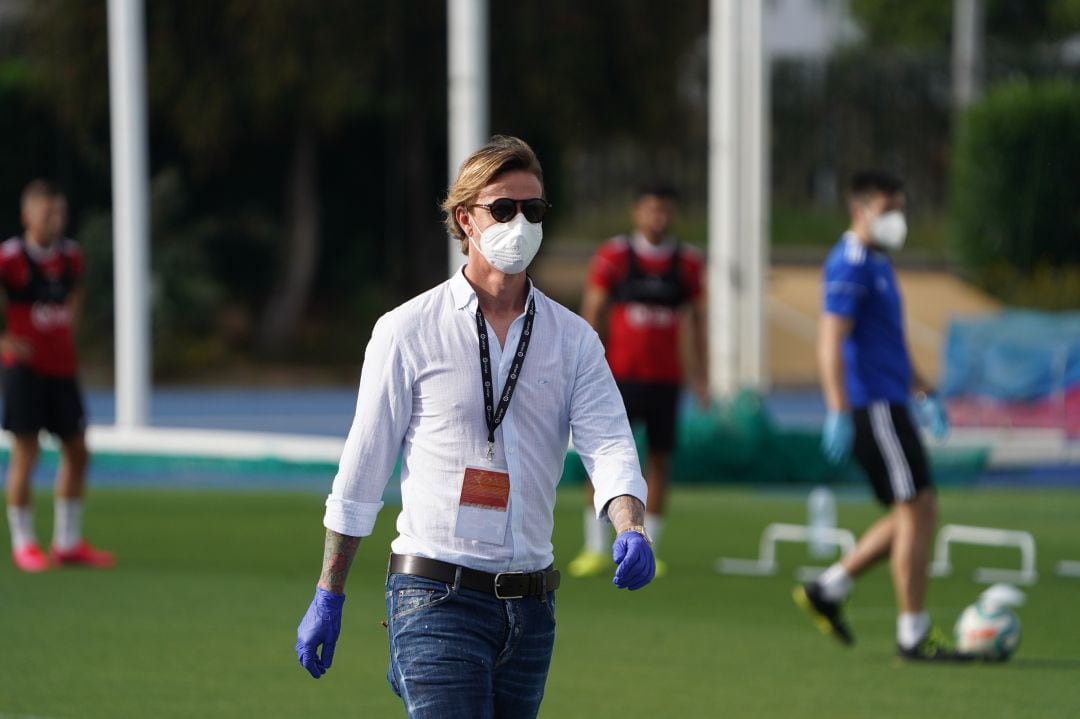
(903, 487)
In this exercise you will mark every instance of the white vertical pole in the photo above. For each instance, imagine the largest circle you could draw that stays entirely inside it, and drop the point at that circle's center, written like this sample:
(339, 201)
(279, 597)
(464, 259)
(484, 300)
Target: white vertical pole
(723, 227)
(966, 52)
(753, 244)
(467, 92)
(130, 179)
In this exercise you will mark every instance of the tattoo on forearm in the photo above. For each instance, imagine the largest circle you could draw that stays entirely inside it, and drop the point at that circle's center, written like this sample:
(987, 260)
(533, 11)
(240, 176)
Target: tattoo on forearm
(338, 555)
(625, 511)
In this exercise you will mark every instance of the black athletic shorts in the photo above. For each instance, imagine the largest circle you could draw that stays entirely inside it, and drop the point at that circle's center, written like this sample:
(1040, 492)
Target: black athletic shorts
(890, 451)
(33, 402)
(656, 405)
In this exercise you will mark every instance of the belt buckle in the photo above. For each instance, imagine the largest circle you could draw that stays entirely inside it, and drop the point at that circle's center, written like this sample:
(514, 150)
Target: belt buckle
(499, 576)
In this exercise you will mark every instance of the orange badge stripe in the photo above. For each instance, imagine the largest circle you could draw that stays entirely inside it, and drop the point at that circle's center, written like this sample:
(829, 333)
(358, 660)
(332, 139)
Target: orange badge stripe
(486, 489)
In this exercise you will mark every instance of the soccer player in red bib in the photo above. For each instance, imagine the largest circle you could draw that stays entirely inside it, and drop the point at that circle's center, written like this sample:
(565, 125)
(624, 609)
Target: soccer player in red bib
(40, 272)
(643, 284)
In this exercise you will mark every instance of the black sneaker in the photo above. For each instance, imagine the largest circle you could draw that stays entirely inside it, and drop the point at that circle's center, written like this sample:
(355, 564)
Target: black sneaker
(934, 647)
(827, 616)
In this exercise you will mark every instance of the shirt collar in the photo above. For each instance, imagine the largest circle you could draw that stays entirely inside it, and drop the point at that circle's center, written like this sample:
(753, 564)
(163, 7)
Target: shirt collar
(645, 248)
(461, 290)
(39, 253)
(465, 296)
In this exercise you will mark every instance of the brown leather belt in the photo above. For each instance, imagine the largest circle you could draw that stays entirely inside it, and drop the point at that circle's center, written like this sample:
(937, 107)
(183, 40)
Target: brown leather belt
(504, 585)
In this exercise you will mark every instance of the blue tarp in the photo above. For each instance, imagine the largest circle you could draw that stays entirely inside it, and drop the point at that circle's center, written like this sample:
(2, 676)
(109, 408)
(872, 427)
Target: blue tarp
(1017, 356)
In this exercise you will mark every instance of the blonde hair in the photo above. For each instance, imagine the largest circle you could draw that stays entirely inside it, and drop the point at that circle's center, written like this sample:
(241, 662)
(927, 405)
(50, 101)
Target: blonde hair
(501, 155)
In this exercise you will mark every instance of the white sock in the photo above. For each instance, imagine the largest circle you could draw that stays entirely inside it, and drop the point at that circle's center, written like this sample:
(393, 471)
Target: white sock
(67, 527)
(654, 525)
(835, 583)
(911, 627)
(21, 523)
(596, 534)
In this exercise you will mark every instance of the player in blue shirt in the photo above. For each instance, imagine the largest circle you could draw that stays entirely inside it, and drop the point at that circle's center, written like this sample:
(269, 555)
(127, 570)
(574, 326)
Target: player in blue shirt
(867, 378)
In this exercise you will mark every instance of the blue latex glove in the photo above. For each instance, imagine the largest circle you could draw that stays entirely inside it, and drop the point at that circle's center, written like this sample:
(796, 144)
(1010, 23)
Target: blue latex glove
(320, 626)
(837, 436)
(931, 414)
(633, 556)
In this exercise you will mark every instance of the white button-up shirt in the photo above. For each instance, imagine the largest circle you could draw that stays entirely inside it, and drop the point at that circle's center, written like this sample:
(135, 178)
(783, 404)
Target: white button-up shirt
(421, 397)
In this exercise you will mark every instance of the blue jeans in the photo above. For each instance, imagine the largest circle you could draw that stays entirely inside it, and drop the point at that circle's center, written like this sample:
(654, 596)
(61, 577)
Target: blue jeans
(456, 652)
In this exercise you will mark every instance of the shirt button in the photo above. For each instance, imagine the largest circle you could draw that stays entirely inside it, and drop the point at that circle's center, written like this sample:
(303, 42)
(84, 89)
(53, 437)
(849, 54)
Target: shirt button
(510, 450)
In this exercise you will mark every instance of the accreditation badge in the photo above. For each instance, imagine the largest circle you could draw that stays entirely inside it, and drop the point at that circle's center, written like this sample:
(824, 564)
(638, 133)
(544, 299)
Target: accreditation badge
(485, 495)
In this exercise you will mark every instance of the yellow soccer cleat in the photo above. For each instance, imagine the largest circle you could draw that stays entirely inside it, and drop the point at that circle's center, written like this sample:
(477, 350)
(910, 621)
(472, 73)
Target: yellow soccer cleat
(934, 647)
(827, 616)
(589, 564)
(661, 568)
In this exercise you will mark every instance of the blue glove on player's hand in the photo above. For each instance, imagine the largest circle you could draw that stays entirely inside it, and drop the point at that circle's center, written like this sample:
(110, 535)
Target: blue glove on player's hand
(320, 626)
(634, 559)
(837, 436)
(932, 415)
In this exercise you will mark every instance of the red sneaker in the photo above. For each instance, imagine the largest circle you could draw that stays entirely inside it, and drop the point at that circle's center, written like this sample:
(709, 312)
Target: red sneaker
(30, 559)
(83, 555)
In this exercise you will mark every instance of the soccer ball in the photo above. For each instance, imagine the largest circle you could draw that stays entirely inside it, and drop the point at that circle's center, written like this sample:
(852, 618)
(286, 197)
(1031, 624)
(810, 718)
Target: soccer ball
(987, 630)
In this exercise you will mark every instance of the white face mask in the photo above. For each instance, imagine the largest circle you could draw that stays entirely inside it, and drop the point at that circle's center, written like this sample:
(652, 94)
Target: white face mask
(510, 246)
(889, 230)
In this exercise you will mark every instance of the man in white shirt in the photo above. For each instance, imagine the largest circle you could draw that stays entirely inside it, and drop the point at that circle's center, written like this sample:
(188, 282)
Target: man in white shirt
(477, 384)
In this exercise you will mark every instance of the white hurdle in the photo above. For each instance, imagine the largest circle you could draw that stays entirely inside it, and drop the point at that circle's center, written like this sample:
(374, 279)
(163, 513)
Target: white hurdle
(1068, 568)
(990, 537)
(765, 565)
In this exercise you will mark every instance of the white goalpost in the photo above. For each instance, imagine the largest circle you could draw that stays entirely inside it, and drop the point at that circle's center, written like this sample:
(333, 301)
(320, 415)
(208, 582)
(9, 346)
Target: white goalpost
(131, 210)
(466, 91)
(737, 216)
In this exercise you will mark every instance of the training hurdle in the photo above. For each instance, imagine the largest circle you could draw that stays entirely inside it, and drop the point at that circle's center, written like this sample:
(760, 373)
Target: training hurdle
(989, 537)
(1068, 568)
(765, 565)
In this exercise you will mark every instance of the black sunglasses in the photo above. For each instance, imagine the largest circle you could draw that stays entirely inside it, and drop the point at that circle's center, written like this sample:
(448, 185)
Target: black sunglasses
(504, 209)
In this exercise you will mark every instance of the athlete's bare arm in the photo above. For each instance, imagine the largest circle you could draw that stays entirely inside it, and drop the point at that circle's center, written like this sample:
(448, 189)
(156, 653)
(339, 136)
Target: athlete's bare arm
(593, 304)
(74, 304)
(919, 383)
(832, 330)
(699, 343)
(9, 343)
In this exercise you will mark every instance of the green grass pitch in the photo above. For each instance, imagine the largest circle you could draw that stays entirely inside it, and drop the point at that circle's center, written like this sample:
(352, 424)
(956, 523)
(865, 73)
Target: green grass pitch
(199, 619)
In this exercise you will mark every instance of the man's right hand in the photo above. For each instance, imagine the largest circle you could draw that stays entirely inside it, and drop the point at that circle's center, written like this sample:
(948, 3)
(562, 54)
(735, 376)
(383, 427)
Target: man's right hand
(17, 347)
(837, 436)
(319, 627)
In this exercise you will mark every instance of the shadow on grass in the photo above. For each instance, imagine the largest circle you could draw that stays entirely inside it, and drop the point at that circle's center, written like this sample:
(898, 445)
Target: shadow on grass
(1037, 664)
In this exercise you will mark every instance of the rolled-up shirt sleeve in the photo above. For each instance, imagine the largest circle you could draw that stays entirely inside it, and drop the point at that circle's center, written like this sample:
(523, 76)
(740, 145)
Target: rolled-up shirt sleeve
(601, 431)
(383, 412)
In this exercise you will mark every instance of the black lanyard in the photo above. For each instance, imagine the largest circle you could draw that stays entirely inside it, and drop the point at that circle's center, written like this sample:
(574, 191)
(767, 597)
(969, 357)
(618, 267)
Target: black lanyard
(493, 414)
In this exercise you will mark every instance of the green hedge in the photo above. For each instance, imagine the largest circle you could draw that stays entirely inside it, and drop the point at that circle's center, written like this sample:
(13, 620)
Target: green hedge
(738, 442)
(1016, 181)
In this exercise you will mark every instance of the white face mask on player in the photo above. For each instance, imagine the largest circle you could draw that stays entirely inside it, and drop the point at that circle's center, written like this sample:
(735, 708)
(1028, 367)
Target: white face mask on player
(889, 230)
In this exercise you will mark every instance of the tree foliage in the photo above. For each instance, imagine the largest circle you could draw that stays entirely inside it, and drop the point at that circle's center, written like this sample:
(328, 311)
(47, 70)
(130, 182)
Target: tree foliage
(289, 125)
(220, 75)
(223, 70)
(1015, 195)
(597, 69)
(928, 23)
